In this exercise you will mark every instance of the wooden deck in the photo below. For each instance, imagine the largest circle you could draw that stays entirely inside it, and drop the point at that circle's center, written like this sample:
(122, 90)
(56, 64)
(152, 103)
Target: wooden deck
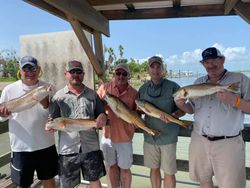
(5, 182)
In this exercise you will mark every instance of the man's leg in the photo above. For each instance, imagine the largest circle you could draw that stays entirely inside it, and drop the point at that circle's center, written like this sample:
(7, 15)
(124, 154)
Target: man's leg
(206, 184)
(169, 181)
(155, 177)
(49, 183)
(126, 178)
(95, 184)
(114, 175)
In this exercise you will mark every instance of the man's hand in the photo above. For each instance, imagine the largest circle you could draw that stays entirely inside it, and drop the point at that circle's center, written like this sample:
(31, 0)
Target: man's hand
(4, 112)
(45, 102)
(227, 97)
(164, 118)
(101, 120)
(50, 130)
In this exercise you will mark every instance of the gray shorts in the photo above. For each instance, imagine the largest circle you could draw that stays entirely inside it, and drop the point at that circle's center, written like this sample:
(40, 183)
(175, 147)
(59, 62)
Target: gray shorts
(91, 164)
(118, 153)
(160, 156)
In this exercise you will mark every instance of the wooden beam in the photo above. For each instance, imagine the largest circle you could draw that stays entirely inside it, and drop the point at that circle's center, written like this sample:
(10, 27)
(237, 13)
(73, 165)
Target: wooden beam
(52, 10)
(82, 11)
(112, 2)
(99, 49)
(86, 46)
(155, 13)
(176, 3)
(243, 10)
(229, 5)
(130, 6)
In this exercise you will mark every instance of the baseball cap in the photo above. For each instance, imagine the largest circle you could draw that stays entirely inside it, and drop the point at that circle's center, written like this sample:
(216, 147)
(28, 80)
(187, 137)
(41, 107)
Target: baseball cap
(154, 59)
(74, 64)
(28, 60)
(210, 53)
(122, 66)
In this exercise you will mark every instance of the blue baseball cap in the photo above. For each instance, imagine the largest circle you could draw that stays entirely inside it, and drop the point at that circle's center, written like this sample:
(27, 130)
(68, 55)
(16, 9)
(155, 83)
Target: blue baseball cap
(210, 53)
(28, 60)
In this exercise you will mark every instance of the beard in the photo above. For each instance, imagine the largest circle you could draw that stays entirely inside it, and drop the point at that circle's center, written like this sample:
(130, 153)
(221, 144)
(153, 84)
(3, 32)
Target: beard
(75, 82)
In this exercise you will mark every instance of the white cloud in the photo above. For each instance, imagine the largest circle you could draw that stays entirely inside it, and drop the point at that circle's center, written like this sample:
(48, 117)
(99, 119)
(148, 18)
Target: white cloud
(232, 54)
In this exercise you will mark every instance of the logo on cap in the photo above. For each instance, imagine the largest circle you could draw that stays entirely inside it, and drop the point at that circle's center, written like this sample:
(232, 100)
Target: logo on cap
(28, 60)
(210, 53)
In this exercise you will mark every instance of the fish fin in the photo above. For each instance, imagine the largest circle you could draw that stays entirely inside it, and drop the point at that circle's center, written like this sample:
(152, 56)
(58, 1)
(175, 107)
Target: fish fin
(186, 123)
(34, 98)
(185, 93)
(155, 133)
(234, 87)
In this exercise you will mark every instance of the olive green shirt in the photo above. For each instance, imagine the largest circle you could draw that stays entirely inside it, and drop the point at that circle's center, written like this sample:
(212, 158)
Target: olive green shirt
(160, 96)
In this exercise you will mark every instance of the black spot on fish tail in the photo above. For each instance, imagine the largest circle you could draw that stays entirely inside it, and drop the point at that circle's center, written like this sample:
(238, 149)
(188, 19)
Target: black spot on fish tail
(185, 93)
(234, 87)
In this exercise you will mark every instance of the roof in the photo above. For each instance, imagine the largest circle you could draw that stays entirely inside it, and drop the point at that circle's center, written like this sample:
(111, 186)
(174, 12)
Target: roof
(94, 16)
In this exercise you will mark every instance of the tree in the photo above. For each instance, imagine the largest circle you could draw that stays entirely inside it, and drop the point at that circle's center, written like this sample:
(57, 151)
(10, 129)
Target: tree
(120, 47)
(9, 63)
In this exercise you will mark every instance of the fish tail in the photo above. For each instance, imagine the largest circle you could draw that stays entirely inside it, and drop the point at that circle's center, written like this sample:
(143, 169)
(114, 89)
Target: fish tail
(154, 132)
(234, 86)
(185, 123)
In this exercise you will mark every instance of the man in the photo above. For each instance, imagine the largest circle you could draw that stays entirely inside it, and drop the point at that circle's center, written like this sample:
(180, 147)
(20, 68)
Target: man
(118, 154)
(160, 152)
(216, 146)
(78, 150)
(33, 149)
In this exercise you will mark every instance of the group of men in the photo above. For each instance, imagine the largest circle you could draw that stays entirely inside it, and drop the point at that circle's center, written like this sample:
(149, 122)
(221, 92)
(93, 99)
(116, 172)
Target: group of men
(216, 148)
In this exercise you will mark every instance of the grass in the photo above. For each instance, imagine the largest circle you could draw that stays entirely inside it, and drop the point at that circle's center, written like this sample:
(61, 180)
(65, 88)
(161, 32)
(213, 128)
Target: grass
(7, 79)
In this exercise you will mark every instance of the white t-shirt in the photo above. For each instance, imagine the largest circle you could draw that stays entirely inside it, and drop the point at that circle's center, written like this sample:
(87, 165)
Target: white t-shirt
(27, 128)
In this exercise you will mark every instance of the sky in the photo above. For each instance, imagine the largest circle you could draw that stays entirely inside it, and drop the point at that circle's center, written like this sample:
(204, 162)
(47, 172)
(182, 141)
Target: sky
(178, 41)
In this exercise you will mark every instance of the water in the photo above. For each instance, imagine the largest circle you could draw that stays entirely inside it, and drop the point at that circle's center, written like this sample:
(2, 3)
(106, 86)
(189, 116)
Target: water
(141, 182)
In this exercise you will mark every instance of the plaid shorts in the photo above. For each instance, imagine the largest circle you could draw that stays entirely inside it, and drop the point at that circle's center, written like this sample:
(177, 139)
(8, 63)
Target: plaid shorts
(70, 165)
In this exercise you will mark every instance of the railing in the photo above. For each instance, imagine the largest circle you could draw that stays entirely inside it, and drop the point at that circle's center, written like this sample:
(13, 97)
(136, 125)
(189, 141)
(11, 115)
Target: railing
(182, 165)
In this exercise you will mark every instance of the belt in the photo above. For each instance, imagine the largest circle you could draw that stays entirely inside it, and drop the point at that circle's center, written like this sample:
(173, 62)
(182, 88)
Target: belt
(214, 138)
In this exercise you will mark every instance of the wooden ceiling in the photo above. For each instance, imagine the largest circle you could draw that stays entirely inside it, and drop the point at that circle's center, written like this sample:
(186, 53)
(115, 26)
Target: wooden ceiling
(94, 16)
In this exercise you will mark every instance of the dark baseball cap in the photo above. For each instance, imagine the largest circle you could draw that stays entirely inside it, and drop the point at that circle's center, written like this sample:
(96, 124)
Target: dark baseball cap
(28, 60)
(74, 64)
(210, 53)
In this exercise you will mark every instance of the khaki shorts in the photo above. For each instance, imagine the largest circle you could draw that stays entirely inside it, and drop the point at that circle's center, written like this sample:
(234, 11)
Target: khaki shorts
(225, 159)
(160, 156)
(118, 153)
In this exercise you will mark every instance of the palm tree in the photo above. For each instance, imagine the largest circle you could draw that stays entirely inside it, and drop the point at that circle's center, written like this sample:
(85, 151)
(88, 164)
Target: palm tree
(121, 51)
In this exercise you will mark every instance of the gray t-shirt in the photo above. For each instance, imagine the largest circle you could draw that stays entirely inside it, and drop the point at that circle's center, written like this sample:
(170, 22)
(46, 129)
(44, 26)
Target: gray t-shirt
(87, 106)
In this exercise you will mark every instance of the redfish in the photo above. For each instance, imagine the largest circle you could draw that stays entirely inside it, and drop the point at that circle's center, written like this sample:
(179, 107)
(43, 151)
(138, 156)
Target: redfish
(153, 111)
(70, 125)
(199, 90)
(123, 112)
(27, 100)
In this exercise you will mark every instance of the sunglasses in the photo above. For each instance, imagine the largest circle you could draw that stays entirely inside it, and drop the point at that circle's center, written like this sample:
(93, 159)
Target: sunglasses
(76, 71)
(121, 73)
(29, 69)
